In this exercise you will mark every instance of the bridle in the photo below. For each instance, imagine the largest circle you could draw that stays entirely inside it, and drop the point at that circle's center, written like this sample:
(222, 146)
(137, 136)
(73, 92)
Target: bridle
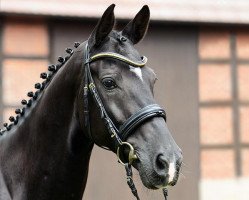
(118, 135)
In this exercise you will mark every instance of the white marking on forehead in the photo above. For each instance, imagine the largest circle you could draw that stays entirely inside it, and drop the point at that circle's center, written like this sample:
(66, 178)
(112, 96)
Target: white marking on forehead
(172, 171)
(137, 71)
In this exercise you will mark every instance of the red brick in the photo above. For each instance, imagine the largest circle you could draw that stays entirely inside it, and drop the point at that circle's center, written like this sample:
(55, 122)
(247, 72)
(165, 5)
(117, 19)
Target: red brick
(216, 125)
(214, 44)
(217, 164)
(214, 82)
(245, 162)
(243, 81)
(29, 39)
(19, 77)
(243, 44)
(244, 124)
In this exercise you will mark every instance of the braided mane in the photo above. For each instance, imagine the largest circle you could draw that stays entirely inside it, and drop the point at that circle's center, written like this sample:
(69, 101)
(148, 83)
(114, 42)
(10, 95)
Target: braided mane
(33, 96)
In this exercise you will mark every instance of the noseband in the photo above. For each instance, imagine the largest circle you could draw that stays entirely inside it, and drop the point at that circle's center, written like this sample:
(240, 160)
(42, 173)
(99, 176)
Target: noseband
(119, 136)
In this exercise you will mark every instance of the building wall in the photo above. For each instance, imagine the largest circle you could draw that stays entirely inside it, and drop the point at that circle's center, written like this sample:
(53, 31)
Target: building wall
(224, 112)
(203, 84)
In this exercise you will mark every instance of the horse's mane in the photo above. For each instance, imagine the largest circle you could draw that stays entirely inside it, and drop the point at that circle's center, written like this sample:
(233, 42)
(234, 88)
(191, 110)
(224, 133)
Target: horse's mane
(47, 76)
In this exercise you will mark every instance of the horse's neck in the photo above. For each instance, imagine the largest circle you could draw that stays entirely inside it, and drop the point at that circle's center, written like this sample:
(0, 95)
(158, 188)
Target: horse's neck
(55, 151)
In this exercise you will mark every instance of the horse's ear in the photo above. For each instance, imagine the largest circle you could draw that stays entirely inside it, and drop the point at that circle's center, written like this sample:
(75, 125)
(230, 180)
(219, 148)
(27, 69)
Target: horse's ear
(103, 28)
(136, 28)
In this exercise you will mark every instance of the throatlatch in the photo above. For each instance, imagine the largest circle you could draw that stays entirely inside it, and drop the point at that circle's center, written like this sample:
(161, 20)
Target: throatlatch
(120, 135)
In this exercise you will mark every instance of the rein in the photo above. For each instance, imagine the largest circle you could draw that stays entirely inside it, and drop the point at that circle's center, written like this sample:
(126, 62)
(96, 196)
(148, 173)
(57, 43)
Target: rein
(119, 136)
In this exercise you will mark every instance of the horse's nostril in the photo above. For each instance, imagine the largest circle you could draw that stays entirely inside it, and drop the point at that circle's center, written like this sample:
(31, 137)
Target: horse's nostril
(161, 162)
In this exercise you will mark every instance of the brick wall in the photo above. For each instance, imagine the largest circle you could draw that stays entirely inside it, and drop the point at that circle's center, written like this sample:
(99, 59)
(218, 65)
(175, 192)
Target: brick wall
(224, 107)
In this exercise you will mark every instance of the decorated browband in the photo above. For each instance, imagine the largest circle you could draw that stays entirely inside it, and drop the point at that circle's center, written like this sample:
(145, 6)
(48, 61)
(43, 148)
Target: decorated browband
(118, 57)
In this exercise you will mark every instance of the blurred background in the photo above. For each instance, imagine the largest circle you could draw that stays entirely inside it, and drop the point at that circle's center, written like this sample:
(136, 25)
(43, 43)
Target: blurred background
(200, 52)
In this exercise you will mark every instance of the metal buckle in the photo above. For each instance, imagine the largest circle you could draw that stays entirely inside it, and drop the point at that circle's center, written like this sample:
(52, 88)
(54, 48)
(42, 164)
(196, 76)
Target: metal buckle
(132, 156)
(113, 133)
(91, 85)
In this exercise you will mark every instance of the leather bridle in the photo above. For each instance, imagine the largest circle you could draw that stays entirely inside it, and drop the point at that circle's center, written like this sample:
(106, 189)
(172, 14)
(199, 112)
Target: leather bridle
(118, 135)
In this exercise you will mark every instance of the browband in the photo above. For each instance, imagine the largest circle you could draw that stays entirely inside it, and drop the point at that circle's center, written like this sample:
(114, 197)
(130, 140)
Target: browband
(117, 57)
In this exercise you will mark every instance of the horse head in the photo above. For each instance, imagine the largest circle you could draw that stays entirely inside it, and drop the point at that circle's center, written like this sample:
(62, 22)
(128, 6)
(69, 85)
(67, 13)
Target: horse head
(125, 89)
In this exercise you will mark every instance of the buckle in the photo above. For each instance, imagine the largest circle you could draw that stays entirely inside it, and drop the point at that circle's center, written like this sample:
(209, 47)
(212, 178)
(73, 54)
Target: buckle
(91, 85)
(131, 157)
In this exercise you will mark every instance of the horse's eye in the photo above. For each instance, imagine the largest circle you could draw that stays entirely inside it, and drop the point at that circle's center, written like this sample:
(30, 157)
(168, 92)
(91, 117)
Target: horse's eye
(109, 83)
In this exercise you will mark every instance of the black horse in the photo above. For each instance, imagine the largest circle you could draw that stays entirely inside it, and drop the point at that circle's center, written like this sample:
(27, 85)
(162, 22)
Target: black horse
(101, 93)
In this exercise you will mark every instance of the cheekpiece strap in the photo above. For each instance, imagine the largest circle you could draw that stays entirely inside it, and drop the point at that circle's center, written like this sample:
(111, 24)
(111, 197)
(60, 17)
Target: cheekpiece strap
(85, 96)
